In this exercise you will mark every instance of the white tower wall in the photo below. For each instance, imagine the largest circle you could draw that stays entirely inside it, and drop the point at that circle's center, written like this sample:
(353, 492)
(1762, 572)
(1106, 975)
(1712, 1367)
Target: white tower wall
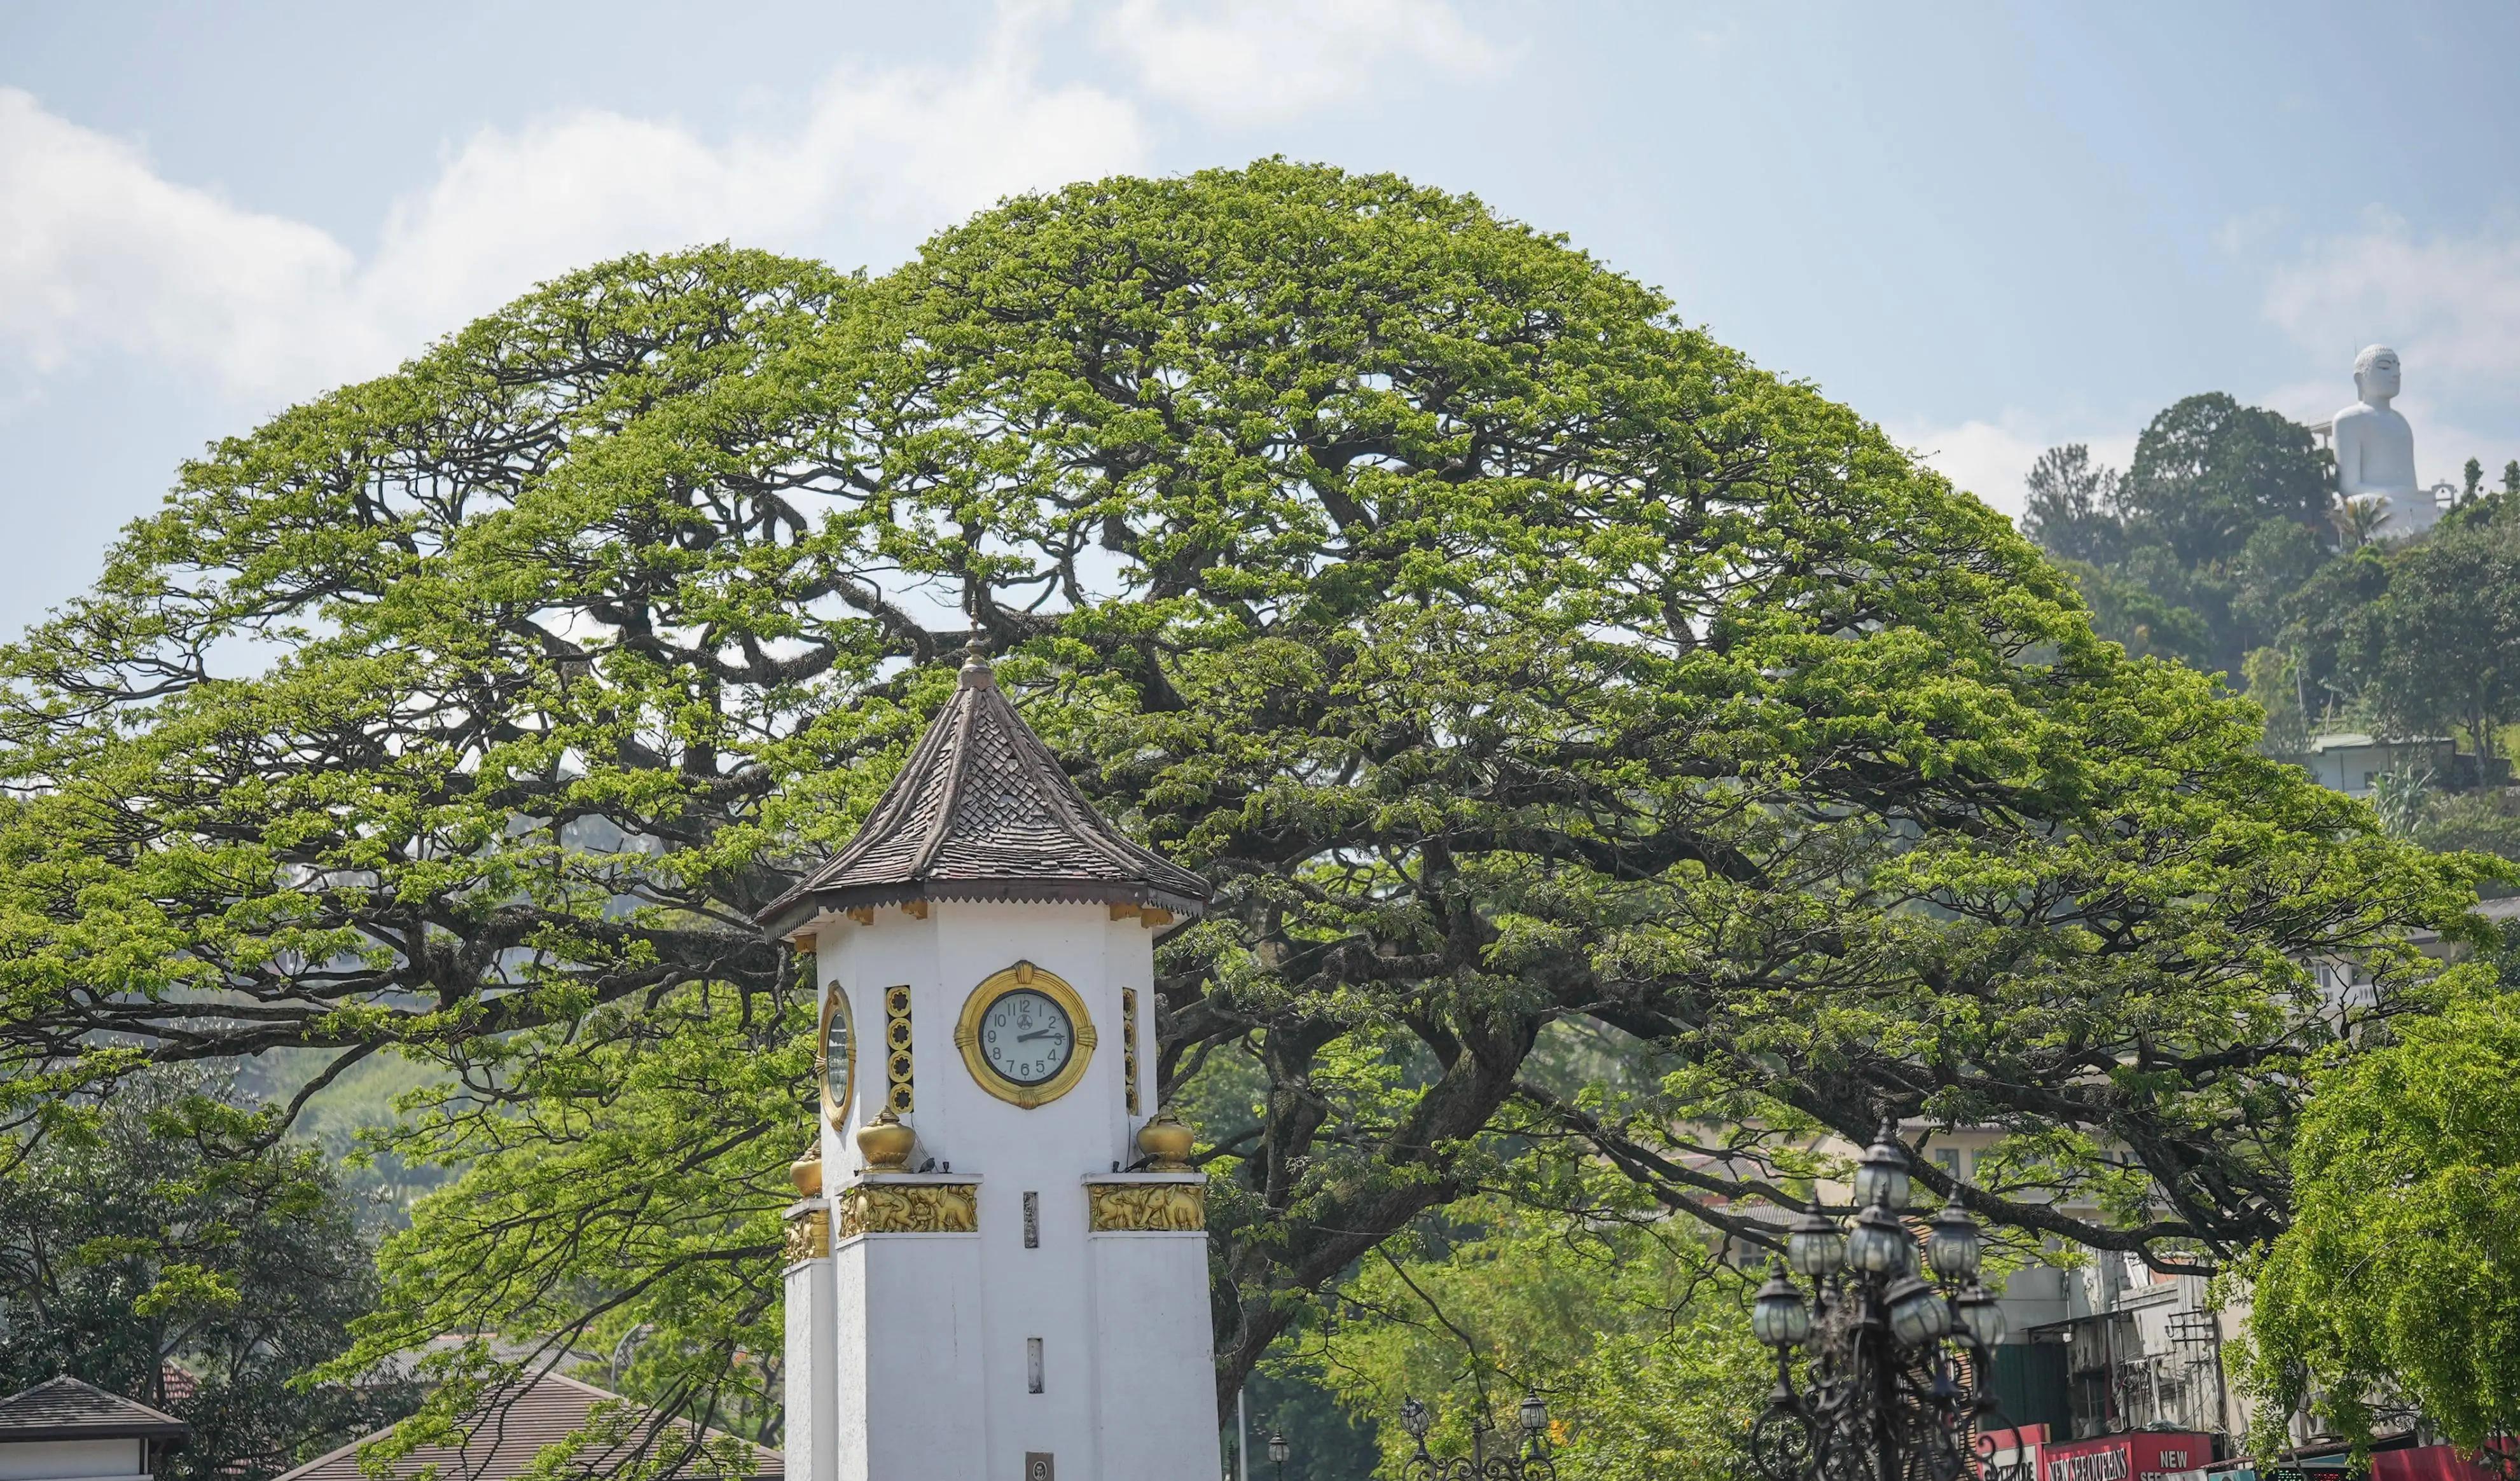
(925, 1367)
(812, 1419)
(1151, 1292)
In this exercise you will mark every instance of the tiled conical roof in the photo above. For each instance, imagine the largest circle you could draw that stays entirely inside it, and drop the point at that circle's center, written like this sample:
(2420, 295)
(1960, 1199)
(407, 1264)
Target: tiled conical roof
(983, 812)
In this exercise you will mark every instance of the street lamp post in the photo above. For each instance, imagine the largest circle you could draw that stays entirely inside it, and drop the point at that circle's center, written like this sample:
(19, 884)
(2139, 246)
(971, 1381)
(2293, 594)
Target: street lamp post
(1278, 1451)
(1528, 1462)
(1898, 1363)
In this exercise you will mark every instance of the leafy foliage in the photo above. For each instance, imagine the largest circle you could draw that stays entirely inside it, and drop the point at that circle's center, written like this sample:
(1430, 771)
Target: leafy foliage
(2481, 822)
(2400, 1280)
(621, 1193)
(161, 1231)
(2212, 550)
(2076, 509)
(2437, 648)
(1634, 1332)
(1513, 659)
(2209, 474)
(364, 1099)
(2191, 553)
(2126, 606)
(2275, 680)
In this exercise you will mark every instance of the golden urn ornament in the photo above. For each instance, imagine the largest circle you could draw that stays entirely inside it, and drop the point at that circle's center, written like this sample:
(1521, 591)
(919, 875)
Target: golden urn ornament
(1166, 1141)
(886, 1143)
(807, 1171)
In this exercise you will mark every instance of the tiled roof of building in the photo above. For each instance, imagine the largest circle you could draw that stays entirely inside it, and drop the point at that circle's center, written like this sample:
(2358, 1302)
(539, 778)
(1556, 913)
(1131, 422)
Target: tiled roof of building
(510, 1430)
(67, 1409)
(983, 812)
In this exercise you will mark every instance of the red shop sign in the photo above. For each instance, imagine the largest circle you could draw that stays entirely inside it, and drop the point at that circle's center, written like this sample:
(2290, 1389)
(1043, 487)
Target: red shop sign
(2147, 1456)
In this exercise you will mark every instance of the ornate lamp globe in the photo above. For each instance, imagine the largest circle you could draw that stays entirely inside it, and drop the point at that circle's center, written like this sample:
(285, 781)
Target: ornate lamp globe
(1980, 1314)
(1534, 1412)
(1881, 1176)
(1414, 1419)
(1778, 1316)
(1816, 1245)
(1278, 1448)
(1880, 1246)
(1953, 1245)
(1918, 1313)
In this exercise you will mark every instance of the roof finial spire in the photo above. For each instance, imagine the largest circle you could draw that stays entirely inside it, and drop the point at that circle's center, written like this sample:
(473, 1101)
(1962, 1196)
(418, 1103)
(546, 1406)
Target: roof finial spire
(977, 673)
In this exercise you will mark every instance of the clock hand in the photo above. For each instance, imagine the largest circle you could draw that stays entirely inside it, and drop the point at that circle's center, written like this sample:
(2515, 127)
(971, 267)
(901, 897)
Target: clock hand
(1039, 1033)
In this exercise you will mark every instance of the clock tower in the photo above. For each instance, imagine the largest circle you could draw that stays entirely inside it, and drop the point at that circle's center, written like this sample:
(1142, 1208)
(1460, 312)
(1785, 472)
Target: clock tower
(999, 1269)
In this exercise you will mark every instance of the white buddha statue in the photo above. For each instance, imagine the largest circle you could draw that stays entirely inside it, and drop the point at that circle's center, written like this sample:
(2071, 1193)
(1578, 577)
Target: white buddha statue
(2375, 448)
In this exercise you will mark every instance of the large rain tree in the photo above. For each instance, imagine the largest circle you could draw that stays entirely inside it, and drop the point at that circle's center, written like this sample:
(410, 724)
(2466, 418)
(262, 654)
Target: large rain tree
(1525, 668)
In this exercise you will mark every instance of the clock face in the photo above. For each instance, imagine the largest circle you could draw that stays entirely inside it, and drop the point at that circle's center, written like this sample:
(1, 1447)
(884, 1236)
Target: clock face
(838, 1054)
(1025, 1036)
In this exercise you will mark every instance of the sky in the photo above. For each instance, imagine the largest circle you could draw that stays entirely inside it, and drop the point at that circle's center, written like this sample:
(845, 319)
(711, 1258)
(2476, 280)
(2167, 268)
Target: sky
(1989, 228)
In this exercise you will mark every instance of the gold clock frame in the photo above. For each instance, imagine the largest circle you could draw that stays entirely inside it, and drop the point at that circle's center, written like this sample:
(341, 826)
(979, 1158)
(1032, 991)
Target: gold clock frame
(966, 1035)
(835, 1000)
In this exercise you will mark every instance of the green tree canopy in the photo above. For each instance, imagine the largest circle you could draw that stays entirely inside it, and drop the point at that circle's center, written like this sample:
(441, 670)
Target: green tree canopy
(1633, 1331)
(2400, 1280)
(163, 1231)
(2437, 648)
(2208, 472)
(1509, 653)
(2193, 553)
(2076, 508)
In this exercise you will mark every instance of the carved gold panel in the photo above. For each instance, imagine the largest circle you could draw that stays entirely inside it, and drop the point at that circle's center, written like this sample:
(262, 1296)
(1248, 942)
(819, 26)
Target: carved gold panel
(1170, 1207)
(910, 1208)
(809, 1235)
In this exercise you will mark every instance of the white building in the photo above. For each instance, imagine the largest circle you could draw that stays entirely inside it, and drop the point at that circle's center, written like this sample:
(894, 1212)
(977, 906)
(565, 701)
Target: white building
(1004, 1270)
(68, 1431)
(2351, 763)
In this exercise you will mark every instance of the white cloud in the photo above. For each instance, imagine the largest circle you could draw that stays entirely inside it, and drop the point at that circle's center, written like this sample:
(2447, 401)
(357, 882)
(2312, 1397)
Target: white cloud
(103, 254)
(1991, 459)
(2451, 305)
(1255, 61)
(2240, 234)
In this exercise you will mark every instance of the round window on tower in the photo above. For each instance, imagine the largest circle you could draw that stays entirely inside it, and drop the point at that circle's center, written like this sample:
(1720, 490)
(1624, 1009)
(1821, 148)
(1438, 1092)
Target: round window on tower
(836, 1056)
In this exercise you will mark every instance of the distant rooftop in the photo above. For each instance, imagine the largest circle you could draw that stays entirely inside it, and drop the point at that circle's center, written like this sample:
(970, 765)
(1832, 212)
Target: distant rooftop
(69, 1409)
(2336, 741)
(512, 1429)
